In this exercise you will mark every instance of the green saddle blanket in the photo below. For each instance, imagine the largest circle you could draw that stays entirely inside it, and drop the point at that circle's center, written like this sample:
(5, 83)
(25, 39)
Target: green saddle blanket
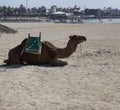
(33, 43)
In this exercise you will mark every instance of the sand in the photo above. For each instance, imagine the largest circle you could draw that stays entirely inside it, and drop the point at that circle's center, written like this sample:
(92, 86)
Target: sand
(90, 81)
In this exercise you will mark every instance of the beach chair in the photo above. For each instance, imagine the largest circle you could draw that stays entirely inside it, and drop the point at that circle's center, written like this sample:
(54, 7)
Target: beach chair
(33, 44)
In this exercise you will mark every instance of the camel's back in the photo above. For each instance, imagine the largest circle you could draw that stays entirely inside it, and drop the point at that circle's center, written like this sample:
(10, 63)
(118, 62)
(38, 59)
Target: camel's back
(47, 54)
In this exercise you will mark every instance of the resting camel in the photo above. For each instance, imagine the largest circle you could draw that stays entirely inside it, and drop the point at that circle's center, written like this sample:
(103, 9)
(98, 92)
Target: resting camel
(50, 54)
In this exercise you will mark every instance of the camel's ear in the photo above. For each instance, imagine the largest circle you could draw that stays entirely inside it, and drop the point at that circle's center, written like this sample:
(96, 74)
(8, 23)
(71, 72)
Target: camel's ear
(70, 36)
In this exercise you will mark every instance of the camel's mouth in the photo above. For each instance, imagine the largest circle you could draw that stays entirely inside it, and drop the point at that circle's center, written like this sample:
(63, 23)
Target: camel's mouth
(84, 39)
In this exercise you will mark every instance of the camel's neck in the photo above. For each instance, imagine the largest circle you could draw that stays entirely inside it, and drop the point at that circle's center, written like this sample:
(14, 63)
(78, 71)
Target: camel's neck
(67, 51)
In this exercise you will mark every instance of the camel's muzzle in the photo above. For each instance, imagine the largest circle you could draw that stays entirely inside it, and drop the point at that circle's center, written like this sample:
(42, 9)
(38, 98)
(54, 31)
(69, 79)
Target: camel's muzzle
(84, 38)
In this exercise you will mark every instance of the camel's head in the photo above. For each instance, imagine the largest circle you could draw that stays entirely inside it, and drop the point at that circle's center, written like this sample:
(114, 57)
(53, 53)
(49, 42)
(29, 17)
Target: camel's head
(77, 39)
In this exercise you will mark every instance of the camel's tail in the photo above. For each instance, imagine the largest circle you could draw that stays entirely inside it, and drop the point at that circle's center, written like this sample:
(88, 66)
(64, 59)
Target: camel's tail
(6, 61)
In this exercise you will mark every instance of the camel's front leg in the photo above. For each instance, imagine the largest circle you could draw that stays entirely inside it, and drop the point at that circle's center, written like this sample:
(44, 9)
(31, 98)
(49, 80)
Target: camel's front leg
(58, 63)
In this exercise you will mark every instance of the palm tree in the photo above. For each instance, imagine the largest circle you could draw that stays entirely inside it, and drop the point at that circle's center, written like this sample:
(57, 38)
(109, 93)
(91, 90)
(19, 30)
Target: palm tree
(22, 9)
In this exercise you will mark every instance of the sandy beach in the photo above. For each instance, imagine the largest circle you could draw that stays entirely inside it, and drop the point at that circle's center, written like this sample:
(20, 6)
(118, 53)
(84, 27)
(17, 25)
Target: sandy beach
(90, 81)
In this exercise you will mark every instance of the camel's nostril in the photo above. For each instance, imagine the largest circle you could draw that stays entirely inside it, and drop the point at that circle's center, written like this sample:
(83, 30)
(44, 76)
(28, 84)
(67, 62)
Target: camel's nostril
(85, 39)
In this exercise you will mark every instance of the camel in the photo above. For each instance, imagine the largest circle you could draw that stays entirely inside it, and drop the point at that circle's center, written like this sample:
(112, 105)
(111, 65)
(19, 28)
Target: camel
(50, 54)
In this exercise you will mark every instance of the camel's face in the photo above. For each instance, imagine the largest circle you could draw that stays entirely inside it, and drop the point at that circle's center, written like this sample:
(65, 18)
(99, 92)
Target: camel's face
(77, 38)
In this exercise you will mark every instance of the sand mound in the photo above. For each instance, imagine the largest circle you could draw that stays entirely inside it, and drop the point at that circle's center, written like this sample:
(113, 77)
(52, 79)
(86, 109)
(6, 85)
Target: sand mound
(5, 29)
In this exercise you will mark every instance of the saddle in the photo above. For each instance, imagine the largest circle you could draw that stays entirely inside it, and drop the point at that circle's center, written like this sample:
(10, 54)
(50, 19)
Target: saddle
(33, 44)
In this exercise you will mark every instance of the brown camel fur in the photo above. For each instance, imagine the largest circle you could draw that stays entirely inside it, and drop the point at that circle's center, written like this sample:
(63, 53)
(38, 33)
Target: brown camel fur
(14, 54)
(49, 53)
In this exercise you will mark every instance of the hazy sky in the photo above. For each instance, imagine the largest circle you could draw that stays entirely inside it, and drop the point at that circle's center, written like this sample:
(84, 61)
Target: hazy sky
(63, 3)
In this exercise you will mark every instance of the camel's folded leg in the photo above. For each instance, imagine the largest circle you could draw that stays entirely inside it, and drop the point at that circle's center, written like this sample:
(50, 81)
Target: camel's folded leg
(58, 63)
(10, 62)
